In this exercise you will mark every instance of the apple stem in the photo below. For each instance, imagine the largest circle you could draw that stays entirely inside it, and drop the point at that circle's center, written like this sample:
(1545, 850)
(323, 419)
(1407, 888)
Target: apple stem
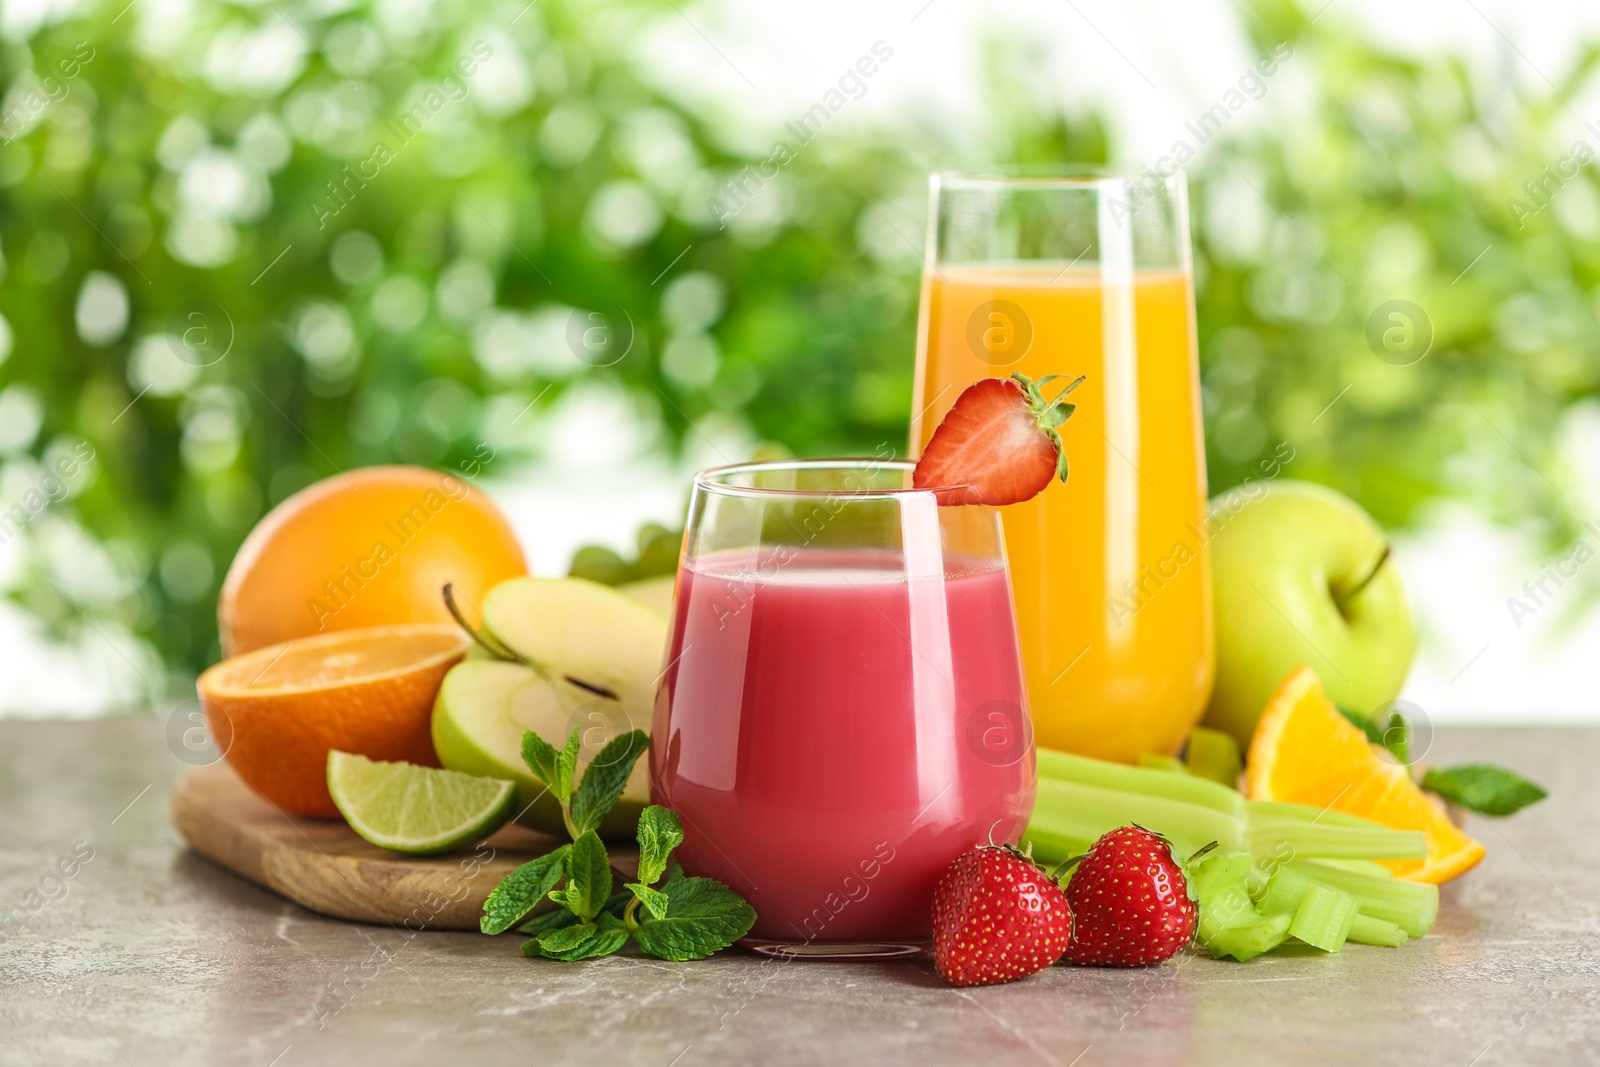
(490, 642)
(483, 636)
(1341, 599)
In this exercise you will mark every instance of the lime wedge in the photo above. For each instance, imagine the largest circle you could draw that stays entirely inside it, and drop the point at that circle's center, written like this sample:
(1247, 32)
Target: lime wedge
(419, 810)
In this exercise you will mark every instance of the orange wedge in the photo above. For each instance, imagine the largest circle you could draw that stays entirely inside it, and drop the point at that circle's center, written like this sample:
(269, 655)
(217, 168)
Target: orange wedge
(276, 712)
(1305, 752)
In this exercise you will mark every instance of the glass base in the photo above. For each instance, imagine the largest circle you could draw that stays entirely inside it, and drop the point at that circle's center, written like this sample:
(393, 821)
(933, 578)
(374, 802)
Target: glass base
(860, 950)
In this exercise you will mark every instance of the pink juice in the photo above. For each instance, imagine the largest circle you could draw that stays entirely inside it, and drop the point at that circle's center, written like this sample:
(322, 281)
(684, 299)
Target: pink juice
(833, 733)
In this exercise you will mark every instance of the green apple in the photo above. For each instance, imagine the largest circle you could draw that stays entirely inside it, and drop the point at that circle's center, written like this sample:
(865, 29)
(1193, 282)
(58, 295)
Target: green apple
(566, 654)
(653, 593)
(1302, 575)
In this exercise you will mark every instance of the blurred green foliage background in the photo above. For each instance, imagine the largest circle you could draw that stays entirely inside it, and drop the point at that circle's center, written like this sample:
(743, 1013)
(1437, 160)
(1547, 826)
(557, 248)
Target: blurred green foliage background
(229, 271)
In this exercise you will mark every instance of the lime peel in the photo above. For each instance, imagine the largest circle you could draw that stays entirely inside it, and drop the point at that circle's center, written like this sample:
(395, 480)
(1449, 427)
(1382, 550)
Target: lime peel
(417, 810)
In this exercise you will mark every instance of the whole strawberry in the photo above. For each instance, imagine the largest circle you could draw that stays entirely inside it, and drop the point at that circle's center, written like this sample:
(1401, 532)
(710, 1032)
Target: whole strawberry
(1130, 900)
(997, 917)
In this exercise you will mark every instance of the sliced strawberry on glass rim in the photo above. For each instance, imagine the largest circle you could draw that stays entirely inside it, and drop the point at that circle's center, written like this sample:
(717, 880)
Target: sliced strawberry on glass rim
(998, 444)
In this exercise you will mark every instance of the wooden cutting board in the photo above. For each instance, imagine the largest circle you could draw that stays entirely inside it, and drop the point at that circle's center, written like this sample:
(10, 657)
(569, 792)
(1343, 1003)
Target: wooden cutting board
(323, 865)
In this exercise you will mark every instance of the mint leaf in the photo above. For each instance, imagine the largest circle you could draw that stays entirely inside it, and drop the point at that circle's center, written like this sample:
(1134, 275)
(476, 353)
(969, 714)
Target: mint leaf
(521, 891)
(703, 916)
(541, 758)
(611, 914)
(588, 878)
(607, 922)
(606, 941)
(1368, 727)
(566, 767)
(554, 919)
(580, 942)
(556, 943)
(659, 833)
(654, 900)
(606, 777)
(1394, 735)
(616, 905)
(1486, 789)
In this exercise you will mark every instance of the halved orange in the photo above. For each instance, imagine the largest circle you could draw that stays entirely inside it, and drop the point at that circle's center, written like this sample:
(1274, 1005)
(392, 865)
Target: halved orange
(1305, 752)
(276, 712)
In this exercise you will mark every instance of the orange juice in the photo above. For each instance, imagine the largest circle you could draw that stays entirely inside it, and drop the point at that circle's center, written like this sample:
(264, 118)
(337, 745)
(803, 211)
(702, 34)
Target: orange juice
(1110, 571)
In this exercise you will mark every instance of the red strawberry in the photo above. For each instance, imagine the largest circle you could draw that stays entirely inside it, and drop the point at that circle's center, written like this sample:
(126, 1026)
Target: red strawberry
(997, 917)
(1131, 901)
(998, 444)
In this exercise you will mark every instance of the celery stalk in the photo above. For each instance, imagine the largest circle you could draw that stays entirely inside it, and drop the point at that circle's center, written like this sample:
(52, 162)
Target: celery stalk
(1412, 906)
(1365, 930)
(1213, 755)
(1163, 785)
(1052, 843)
(1283, 811)
(1228, 924)
(1248, 942)
(1307, 840)
(1283, 892)
(1324, 916)
(1070, 809)
(1374, 870)
(1156, 762)
(1218, 884)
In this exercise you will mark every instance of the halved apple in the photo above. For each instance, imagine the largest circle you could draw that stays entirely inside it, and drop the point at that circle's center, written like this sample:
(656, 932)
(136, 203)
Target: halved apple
(586, 657)
(653, 593)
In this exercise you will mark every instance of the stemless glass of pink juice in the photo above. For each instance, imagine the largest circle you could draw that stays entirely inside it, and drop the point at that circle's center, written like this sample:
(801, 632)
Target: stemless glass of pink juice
(843, 710)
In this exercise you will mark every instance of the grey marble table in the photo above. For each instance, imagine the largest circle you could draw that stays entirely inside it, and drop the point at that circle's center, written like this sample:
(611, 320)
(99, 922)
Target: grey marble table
(148, 955)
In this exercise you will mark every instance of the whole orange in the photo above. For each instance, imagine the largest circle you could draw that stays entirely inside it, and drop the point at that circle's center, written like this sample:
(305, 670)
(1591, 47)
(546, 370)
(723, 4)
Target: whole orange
(274, 713)
(372, 547)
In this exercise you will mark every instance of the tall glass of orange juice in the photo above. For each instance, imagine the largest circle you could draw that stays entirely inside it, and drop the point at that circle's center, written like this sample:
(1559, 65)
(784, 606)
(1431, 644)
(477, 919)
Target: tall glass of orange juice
(1072, 273)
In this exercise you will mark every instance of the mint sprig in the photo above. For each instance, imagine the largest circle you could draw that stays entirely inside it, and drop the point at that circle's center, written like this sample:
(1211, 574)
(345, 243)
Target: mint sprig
(665, 913)
(1393, 734)
(605, 779)
(1484, 788)
(702, 916)
(659, 833)
(520, 891)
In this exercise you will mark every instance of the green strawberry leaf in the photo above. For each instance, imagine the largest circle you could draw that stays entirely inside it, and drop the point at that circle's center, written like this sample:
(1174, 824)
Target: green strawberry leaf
(1486, 789)
(588, 878)
(581, 942)
(521, 891)
(703, 916)
(566, 767)
(654, 900)
(605, 778)
(659, 833)
(542, 760)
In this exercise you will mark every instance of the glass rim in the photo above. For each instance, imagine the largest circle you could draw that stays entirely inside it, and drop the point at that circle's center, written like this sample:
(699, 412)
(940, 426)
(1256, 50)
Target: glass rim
(1048, 176)
(706, 480)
